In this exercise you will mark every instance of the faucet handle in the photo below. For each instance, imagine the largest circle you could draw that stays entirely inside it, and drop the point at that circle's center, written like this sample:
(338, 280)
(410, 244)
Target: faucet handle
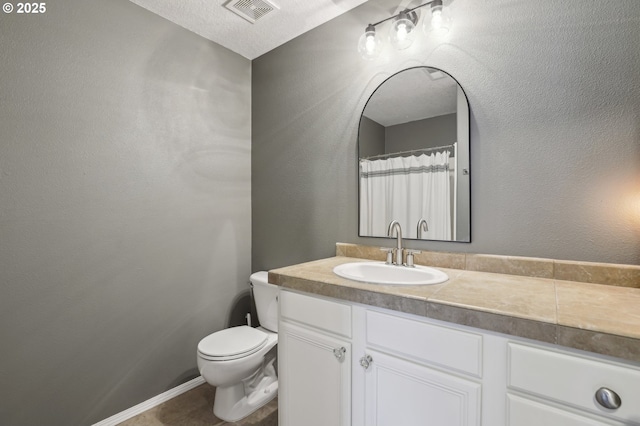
(410, 254)
(389, 254)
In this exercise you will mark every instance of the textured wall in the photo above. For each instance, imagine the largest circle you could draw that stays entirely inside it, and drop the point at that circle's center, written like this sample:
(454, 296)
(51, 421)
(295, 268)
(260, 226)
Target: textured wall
(124, 206)
(554, 93)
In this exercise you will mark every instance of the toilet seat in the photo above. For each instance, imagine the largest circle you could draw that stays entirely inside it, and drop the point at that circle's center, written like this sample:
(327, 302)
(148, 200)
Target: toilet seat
(232, 343)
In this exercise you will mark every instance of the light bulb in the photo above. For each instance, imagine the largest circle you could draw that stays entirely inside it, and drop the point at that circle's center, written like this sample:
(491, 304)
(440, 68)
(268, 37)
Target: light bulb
(436, 19)
(402, 32)
(369, 44)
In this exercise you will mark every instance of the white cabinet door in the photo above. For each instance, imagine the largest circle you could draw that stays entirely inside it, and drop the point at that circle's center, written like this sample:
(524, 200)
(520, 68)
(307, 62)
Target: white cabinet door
(314, 375)
(399, 392)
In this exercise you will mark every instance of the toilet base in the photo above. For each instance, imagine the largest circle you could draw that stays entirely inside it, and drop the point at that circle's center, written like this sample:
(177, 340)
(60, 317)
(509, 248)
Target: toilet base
(231, 404)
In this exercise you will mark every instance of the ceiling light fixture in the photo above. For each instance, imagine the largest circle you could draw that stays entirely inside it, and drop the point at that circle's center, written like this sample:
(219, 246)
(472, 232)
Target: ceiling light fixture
(370, 44)
(440, 21)
(402, 31)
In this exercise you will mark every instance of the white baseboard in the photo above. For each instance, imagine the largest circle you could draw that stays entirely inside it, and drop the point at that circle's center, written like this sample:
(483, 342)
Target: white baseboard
(150, 403)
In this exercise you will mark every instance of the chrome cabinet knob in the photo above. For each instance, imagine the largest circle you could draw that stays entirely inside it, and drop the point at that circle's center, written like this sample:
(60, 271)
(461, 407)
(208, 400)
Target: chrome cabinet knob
(366, 361)
(339, 353)
(608, 398)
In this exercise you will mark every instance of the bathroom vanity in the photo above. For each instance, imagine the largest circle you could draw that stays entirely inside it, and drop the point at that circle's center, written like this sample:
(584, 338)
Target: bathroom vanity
(363, 354)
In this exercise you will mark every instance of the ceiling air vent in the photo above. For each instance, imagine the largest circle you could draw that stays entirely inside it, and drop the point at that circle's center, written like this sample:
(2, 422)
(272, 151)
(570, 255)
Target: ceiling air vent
(251, 10)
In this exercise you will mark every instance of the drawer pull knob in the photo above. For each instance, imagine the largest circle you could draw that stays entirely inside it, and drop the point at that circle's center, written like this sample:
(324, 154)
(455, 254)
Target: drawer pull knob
(366, 361)
(608, 398)
(339, 353)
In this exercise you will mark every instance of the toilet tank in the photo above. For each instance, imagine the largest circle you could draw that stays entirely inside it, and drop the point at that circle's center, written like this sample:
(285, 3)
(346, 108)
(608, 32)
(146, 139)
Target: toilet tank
(266, 298)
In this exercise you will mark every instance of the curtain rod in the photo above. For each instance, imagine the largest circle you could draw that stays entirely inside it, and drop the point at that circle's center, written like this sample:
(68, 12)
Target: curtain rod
(408, 152)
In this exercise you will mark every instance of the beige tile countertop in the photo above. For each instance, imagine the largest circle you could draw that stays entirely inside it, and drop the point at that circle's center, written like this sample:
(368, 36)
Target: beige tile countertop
(598, 318)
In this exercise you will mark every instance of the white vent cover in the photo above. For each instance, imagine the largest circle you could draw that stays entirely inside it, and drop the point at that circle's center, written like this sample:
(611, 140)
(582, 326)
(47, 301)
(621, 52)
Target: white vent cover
(251, 10)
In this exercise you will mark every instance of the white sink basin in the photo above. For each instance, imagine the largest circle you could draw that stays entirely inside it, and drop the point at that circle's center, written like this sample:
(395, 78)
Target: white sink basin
(381, 273)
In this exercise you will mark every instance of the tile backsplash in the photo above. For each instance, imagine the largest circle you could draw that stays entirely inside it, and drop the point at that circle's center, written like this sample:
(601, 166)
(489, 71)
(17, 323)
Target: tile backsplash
(586, 272)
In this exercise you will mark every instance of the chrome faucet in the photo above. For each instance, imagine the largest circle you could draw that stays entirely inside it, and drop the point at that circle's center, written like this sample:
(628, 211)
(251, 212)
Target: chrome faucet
(394, 225)
(422, 225)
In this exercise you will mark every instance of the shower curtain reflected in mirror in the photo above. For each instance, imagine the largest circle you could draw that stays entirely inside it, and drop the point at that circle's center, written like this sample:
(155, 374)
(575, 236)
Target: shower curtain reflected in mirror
(388, 186)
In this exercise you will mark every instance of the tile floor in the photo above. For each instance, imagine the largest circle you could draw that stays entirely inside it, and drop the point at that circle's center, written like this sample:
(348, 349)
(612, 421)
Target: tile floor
(195, 408)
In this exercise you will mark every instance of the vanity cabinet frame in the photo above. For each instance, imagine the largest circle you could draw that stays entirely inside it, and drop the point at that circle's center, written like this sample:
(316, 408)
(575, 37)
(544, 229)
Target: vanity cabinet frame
(485, 376)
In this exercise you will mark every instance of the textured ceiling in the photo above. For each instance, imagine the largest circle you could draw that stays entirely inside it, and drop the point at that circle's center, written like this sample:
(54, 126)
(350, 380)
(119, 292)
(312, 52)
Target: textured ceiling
(412, 95)
(211, 20)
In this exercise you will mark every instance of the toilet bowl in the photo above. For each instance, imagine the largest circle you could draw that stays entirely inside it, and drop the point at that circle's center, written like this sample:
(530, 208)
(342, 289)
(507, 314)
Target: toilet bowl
(239, 361)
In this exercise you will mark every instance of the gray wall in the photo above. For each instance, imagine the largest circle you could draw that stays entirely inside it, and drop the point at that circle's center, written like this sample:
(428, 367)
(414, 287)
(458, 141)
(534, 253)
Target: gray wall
(371, 138)
(124, 206)
(554, 93)
(463, 225)
(430, 132)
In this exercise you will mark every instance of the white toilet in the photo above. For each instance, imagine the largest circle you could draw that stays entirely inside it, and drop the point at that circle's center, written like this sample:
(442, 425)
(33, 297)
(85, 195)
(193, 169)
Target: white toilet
(233, 360)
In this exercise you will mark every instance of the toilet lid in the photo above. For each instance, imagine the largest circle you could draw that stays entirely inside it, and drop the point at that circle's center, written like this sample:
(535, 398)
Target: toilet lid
(232, 341)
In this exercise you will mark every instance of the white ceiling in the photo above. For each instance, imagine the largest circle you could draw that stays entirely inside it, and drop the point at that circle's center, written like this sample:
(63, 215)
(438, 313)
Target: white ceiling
(211, 20)
(413, 95)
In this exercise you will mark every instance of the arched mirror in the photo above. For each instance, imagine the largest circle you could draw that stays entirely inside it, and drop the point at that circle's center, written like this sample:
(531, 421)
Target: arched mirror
(413, 149)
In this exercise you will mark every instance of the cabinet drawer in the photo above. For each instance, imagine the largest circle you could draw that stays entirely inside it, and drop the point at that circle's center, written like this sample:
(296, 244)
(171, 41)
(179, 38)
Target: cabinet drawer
(574, 379)
(524, 412)
(316, 312)
(429, 343)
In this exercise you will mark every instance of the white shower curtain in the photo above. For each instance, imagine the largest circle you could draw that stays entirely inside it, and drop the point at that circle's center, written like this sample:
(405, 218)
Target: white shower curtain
(406, 189)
